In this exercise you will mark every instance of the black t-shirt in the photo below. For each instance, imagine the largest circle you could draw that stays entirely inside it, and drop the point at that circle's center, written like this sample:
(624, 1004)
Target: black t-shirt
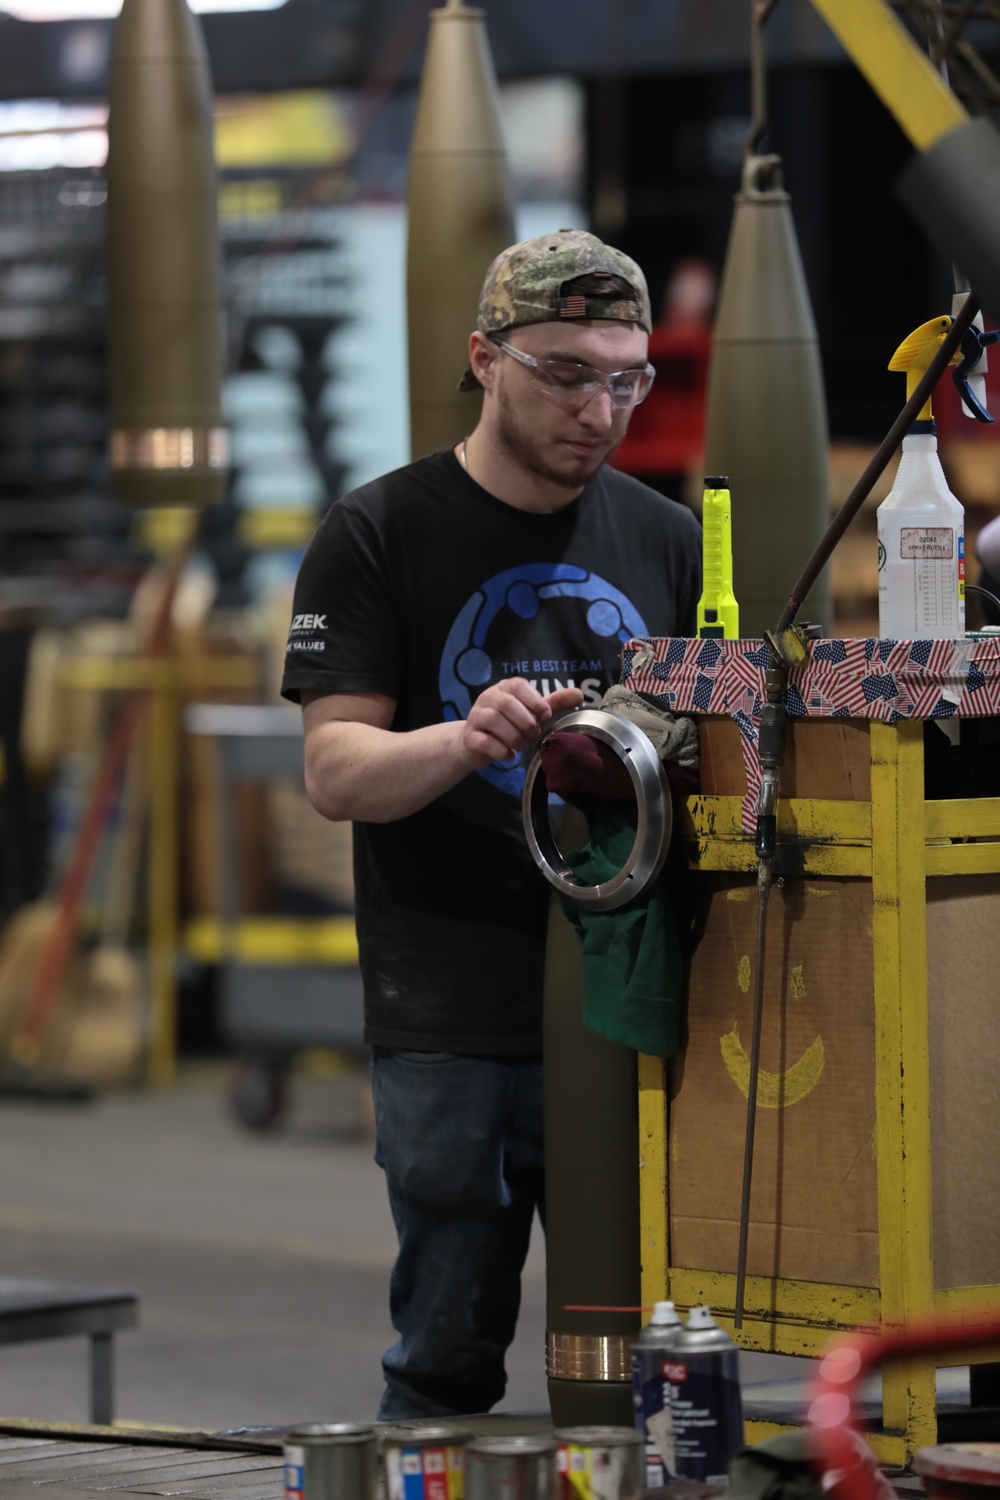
(424, 587)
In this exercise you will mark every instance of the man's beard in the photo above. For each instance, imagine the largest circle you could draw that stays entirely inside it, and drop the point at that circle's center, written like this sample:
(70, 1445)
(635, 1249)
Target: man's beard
(526, 451)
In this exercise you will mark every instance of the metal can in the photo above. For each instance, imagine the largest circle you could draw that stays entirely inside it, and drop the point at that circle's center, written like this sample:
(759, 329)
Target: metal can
(424, 1463)
(331, 1461)
(510, 1468)
(651, 1392)
(959, 1471)
(599, 1463)
(705, 1399)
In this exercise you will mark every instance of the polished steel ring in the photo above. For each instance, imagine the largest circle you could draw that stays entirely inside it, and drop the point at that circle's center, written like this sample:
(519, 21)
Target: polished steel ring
(652, 796)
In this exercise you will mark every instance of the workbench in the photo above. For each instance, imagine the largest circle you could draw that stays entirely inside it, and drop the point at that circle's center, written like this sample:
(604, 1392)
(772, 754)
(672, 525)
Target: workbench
(907, 1215)
(32, 1310)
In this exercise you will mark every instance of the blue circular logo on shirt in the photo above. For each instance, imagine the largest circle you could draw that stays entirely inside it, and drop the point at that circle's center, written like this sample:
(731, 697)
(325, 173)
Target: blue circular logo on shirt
(521, 594)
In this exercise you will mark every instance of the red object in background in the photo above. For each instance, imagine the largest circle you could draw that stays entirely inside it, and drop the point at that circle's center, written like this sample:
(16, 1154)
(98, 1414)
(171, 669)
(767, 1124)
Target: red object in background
(846, 1464)
(666, 434)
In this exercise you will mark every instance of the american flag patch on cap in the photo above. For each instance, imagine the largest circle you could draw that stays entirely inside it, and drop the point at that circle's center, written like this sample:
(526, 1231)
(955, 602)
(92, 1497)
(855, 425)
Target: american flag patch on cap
(573, 306)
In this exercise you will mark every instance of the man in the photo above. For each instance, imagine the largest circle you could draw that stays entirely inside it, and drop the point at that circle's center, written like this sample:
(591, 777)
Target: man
(444, 614)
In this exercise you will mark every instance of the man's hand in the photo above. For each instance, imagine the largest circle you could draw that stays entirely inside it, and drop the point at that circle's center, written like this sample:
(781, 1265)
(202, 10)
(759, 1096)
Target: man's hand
(508, 717)
(359, 767)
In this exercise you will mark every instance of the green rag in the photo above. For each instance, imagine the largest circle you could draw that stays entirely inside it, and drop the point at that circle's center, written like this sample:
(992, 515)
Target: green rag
(632, 964)
(780, 1468)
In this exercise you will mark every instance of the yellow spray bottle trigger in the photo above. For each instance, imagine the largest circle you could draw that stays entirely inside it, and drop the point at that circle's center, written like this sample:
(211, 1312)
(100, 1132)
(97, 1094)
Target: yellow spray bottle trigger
(916, 352)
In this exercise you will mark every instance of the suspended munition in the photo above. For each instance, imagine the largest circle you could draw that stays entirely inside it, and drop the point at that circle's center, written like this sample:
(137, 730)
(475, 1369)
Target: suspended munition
(461, 215)
(168, 443)
(766, 411)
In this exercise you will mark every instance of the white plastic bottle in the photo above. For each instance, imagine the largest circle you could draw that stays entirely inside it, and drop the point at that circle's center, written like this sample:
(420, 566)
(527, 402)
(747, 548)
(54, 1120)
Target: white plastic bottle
(921, 547)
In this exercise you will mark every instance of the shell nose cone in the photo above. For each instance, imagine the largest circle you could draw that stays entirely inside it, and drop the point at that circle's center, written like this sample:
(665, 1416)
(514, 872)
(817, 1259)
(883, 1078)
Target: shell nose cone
(460, 216)
(168, 443)
(766, 421)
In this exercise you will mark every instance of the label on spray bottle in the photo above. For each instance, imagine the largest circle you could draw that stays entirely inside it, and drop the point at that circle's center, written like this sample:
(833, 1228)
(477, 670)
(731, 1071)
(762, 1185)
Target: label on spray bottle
(921, 548)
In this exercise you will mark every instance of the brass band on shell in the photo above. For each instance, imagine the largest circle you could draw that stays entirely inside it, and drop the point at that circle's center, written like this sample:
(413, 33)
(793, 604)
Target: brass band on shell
(588, 1356)
(170, 448)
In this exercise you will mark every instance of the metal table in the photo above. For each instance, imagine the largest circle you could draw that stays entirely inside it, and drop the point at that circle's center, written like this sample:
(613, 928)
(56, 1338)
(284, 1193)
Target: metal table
(55, 1310)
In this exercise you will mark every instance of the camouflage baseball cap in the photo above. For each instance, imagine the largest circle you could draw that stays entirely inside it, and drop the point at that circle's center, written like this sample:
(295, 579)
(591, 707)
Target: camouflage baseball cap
(568, 274)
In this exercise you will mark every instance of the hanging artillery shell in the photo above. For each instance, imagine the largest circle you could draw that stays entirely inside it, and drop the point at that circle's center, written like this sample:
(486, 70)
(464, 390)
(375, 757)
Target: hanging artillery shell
(766, 416)
(168, 444)
(461, 215)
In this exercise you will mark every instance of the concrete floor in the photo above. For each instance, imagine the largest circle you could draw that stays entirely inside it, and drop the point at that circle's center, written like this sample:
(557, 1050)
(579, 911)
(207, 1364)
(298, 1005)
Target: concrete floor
(261, 1260)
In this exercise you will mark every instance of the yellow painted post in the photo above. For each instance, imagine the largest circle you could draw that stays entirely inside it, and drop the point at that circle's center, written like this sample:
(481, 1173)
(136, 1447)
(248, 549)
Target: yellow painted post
(902, 1075)
(164, 770)
(904, 79)
(653, 1190)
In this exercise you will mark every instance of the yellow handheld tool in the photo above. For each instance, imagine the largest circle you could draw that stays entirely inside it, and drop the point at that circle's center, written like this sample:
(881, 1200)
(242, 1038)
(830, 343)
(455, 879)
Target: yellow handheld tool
(718, 611)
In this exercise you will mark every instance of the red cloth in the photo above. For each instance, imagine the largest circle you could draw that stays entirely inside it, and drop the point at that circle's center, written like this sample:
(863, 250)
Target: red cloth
(577, 767)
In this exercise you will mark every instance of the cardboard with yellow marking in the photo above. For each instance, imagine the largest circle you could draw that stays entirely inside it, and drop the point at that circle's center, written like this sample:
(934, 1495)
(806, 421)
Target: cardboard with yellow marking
(813, 1208)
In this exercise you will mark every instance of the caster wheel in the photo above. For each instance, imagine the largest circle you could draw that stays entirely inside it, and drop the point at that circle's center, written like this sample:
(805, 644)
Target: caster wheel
(258, 1095)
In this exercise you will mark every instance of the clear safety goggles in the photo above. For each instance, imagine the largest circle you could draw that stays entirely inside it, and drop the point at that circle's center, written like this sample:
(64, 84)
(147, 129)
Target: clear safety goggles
(572, 385)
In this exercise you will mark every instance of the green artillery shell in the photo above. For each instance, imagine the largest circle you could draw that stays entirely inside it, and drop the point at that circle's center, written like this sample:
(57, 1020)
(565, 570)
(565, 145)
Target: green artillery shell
(168, 444)
(461, 215)
(766, 420)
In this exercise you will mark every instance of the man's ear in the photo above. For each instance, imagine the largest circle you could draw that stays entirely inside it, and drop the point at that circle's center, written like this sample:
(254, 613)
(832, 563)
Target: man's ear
(483, 356)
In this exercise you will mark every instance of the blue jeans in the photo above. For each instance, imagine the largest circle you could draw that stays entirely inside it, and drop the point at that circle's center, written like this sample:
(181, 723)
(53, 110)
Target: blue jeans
(460, 1142)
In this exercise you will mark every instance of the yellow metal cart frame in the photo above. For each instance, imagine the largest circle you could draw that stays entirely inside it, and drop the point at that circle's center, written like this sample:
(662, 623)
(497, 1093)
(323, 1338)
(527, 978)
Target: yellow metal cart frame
(895, 840)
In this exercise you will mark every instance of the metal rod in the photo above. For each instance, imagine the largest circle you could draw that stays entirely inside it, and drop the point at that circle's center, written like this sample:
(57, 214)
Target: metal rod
(759, 12)
(878, 461)
(763, 891)
(758, 84)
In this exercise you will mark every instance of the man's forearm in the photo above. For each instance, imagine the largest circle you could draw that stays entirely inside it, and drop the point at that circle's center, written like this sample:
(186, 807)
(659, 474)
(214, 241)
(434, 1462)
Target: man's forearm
(370, 775)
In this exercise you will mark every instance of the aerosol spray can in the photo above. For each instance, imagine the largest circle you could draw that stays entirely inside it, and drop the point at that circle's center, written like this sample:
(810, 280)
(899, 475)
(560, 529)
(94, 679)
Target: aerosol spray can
(652, 1352)
(706, 1406)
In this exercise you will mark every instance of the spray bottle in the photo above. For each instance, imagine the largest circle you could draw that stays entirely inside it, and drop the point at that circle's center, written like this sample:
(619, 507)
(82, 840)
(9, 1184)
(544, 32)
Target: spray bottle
(921, 526)
(651, 1392)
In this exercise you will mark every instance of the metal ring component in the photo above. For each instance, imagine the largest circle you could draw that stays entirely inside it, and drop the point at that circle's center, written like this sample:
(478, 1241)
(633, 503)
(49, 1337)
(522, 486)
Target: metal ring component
(588, 1356)
(170, 448)
(652, 796)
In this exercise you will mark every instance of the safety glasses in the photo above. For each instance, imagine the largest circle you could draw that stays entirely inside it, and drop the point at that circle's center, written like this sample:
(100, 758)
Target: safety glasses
(572, 386)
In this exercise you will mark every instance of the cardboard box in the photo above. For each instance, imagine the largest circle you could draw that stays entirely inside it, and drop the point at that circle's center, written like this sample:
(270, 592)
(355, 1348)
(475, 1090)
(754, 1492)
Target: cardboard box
(813, 1203)
(814, 1206)
(963, 961)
